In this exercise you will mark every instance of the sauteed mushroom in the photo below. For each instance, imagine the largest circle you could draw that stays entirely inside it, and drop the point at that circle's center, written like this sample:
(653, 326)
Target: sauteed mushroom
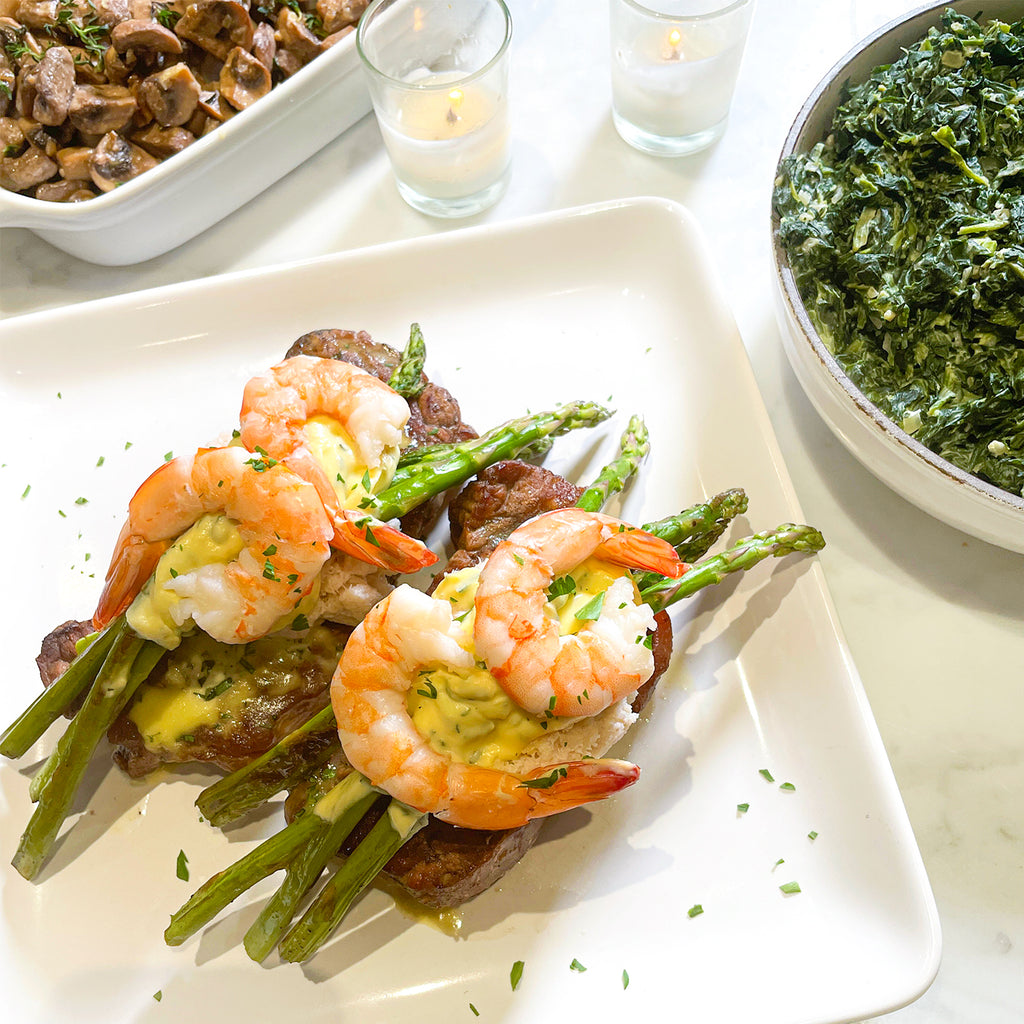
(32, 167)
(98, 109)
(55, 82)
(217, 26)
(75, 163)
(115, 161)
(37, 13)
(139, 34)
(171, 95)
(243, 79)
(163, 142)
(99, 90)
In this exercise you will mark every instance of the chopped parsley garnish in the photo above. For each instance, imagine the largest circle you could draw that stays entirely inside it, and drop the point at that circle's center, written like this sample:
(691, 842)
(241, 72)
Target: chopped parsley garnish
(181, 868)
(271, 549)
(24, 493)
(545, 781)
(766, 774)
(300, 622)
(431, 690)
(695, 911)
(812, 836)
(269, 572)
(591, 610)
(158, 995)
(476, 1012)
(576, 966)
(742, 808)
(168, 456)
(81, 501)
(215, 691)
(262, 463)
(516, 974)
(562, 586)
(789, 888)
(788, 787)
(625, 979)
(168, 17)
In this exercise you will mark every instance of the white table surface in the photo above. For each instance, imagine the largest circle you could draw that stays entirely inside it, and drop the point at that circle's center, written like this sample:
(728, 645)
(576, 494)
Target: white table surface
(934, 619)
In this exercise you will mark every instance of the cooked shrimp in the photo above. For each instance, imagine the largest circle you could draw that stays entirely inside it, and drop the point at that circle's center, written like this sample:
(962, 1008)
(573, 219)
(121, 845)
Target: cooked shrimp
(342, 429)
(407, 633)
(219, 539)
(518, 636)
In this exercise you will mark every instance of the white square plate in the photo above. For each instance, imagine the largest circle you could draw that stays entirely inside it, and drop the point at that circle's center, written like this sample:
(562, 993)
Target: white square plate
(614, 303)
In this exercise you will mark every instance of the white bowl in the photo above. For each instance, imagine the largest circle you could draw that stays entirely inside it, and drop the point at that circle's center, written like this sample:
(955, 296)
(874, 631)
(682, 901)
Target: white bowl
(192, 190)
(913, 471)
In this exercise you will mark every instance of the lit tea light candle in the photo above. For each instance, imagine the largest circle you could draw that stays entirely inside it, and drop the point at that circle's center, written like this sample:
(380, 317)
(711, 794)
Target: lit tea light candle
(445, 131)
(673, 39)
(446, 142)
(674, 81)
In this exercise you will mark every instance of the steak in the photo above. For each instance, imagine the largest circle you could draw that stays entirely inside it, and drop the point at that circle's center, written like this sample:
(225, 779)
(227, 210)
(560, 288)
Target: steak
(290, 685)
(58, 649)
(499, 499)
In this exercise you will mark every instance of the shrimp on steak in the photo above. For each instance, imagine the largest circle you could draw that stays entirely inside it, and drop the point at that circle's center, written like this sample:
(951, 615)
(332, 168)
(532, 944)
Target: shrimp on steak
(383, 659)
(541, 667)
(221, 539)
(342, 429)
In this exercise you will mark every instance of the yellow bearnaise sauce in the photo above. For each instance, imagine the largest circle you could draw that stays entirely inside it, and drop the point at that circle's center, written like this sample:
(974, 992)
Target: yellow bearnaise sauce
(353, 481)
(212, 539)
(207, 683)
(464, 713)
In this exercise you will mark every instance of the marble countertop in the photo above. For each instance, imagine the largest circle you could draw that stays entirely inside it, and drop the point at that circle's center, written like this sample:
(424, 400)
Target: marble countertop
(933, 617)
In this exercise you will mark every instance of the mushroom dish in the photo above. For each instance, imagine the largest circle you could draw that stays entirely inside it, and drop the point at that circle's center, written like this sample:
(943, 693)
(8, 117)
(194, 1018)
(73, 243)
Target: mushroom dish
(94, 92)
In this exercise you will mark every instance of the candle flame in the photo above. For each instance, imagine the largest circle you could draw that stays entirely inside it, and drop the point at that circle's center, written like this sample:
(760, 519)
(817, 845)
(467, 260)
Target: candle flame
(454, 102)
(675, 37)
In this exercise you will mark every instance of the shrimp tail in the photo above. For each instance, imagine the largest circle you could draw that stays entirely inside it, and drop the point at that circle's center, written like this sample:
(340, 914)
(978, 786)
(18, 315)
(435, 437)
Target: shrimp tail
(368, 539)
(637, 549)
(560, 787)
(133, 563)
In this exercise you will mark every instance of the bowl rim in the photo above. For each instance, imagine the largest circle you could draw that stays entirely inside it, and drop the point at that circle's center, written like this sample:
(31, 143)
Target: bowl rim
(791, 295)
(253, 119)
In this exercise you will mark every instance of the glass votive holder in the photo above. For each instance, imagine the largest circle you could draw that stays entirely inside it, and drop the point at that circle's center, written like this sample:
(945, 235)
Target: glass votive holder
(438, 76)
(674, 67)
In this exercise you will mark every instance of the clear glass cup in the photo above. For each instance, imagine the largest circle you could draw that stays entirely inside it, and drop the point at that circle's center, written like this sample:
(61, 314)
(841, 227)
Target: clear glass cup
(438, 75)
(674, 65)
